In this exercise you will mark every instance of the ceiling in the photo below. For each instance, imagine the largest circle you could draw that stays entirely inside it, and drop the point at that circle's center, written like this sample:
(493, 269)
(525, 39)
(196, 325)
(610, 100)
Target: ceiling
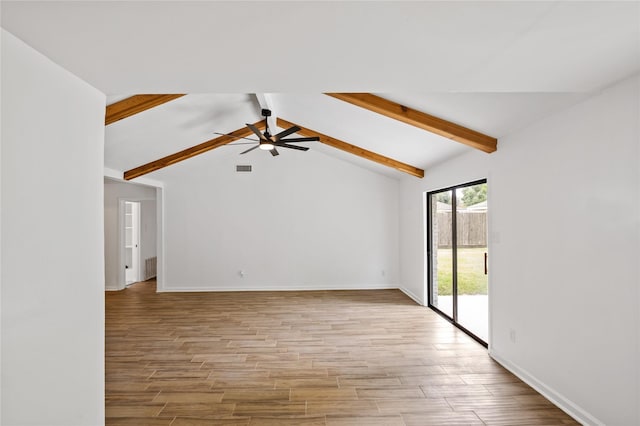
(333, 46)
(494, 67)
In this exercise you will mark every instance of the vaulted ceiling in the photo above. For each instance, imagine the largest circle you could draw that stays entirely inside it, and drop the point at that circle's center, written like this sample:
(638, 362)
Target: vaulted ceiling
(146, 133)
(493, 67)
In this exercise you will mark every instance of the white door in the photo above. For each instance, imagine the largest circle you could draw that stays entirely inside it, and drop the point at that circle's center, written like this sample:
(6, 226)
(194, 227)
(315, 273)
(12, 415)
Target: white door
(132, 241)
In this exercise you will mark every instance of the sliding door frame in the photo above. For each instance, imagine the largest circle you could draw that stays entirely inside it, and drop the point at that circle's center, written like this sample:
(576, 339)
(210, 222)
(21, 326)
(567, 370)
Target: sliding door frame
(454, 247)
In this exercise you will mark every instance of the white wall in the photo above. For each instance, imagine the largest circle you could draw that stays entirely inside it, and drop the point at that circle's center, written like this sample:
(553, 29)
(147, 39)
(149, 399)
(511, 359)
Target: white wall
(52, 243)
(148, 238)
(329, 225)
(564, 248)
(113, 193)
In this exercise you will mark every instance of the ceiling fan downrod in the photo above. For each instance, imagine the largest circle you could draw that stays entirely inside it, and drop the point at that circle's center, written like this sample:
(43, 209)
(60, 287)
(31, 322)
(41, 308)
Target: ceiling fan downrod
(266, 145)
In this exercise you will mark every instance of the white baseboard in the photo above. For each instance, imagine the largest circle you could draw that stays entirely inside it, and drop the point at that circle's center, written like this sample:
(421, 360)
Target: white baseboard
(266, 287)
(112, 289)
(409, 293)
(566, 405)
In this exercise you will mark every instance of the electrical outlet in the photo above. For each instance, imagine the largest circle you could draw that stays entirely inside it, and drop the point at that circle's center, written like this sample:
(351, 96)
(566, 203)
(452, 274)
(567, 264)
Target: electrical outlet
(512, 335)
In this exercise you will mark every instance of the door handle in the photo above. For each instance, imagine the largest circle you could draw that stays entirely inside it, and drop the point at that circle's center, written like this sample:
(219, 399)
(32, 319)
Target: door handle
(485, 263)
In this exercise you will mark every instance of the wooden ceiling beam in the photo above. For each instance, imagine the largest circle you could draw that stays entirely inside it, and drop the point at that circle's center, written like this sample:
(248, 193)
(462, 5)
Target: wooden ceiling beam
(191, 152)
(134, 105)
(420, 119)
(353, 149)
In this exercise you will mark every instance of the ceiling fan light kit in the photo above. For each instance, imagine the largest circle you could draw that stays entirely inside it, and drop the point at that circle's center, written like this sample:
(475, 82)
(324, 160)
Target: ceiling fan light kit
(266, 146)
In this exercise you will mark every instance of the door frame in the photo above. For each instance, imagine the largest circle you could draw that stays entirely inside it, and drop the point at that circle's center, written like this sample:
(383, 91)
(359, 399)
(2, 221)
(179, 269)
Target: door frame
(122, 252)
(116, 176)
(136, 224)
(454, 247)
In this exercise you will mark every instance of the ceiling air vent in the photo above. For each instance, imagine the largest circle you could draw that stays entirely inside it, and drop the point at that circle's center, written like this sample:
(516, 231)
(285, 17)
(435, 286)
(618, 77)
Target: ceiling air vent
(243, 168)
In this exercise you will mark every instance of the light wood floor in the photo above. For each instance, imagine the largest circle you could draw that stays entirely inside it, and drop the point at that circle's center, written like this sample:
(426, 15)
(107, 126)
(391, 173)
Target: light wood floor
(301, 358)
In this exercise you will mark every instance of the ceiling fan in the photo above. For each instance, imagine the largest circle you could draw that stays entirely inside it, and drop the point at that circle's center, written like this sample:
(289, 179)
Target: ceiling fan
(269, 142)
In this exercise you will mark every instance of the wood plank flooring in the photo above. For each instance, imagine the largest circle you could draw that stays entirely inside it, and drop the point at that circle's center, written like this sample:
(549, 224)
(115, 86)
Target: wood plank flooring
(301, 358)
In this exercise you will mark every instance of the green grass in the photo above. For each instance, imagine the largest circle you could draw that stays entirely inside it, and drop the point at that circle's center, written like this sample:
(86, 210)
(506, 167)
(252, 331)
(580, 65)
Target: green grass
(471, 277)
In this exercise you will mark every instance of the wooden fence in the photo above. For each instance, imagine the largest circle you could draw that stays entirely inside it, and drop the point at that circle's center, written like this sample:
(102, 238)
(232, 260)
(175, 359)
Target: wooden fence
(472, 229)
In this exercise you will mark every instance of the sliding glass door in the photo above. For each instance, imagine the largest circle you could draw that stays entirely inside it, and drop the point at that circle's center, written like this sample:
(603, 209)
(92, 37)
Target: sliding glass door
(457, 250)
(441, 239)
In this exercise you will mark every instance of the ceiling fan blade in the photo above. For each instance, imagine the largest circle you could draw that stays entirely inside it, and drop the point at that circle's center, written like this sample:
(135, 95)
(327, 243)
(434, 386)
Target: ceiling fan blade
(299, 148)
(274, 152)
(227, 134)
(309, 139)
(250, 149)
(255, 130)
(287, 132)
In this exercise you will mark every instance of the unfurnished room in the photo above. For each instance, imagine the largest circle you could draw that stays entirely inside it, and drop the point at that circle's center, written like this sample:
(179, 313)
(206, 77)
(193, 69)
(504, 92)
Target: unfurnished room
(320, 213)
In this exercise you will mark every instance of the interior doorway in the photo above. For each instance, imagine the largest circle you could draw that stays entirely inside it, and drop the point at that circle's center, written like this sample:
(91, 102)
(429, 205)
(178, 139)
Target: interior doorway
(132, 242)
(457, 252)
(132, 233)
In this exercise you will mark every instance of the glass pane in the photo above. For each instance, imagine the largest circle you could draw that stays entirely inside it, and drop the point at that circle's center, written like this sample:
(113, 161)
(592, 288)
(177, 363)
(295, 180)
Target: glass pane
(471, 231)
(442, 252)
